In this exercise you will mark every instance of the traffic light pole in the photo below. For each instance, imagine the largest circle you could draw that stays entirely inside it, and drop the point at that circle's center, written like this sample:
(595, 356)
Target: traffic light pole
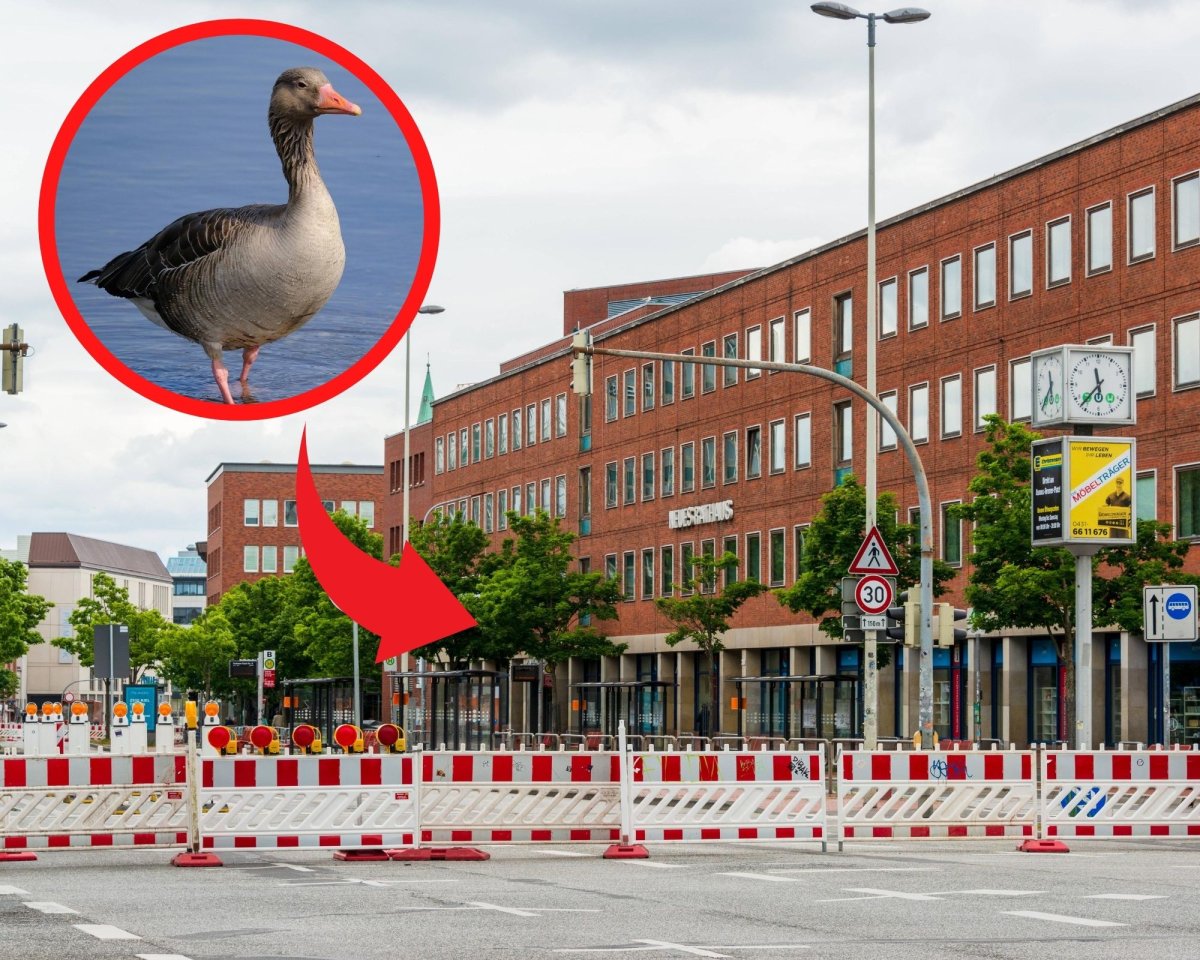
(582, 347)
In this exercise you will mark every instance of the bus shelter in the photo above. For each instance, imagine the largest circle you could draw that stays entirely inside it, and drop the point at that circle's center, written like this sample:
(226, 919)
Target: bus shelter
(328, 702)
(644, 705)
(451, 707)
(816, 706)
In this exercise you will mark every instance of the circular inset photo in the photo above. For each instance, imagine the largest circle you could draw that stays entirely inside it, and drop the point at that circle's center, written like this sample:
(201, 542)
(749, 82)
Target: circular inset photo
(239, 219)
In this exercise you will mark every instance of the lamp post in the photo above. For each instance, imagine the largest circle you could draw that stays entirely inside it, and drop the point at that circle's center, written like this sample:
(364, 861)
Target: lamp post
(840, 11)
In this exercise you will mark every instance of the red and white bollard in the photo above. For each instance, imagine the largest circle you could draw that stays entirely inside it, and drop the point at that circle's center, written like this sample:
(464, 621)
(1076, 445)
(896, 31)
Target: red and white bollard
(30, 730)
(118, 744)
(164, 730)
(48, 731)
(139, 735)
(79, 731)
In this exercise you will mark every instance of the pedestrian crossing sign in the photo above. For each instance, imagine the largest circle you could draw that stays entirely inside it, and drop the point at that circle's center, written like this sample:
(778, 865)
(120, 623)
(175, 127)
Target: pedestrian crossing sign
(873, 556)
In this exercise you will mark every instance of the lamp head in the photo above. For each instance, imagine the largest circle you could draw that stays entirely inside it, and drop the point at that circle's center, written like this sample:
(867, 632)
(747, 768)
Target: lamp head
(431, 308)
(906, 15)
(838, 11)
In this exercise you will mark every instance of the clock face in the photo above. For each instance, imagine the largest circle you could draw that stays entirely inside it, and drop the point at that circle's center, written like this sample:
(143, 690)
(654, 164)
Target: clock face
(1048, 398)
(1098, 385)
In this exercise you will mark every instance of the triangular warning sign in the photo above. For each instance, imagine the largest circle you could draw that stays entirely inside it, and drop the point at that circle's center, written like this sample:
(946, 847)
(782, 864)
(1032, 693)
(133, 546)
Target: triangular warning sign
(873, 556)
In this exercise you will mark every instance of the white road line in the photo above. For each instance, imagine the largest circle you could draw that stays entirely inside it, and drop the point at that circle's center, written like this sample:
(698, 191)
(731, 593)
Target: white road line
(525, 911)
(691, 951)
(104, 931)
(365, 883)
(761, 876)
(561, 853)
(874, 894)
(990, 893)
(654, 864)
(47, 906)
(856, 869)
(13, 891)
(656, 945)
(161, 956)
(275, 866)
(1059, 918)
(1124, 896)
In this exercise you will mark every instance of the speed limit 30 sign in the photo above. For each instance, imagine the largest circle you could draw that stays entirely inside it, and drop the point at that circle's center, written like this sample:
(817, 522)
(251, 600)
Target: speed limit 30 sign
(873, 594)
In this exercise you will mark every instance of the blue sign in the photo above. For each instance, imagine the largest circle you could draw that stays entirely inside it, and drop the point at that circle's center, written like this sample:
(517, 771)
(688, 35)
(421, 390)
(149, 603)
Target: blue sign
(1178, 606)
(147, 695)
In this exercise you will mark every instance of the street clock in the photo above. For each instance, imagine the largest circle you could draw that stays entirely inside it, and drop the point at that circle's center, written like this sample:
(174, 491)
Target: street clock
(1083, 386)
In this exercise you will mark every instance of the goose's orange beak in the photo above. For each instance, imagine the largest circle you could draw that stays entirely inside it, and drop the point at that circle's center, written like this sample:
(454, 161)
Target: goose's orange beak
(333, 102)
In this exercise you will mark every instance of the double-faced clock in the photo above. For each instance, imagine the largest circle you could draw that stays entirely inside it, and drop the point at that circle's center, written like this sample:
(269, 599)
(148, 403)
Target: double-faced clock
(1082, 386)
(1047, 388)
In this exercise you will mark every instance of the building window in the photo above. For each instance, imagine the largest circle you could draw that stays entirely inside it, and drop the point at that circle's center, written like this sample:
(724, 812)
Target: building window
(754, 351)
(502, 433)
(729, 375)
(729, 452)
(985, 395)
(516, 429)
(951, 406)
(985, 276)
(951, 536)
(888, 318)
(545, 503)
(778, 452)
(803, 332)
(648, 573)
(610, 399)
(803, 440)
(687, 468)
(488, 516)
(464, 440)
(776, 336)
(270, 513)
(708, 462)
(918, 412)
(951, 288)
(610, 566)
(1145, 367)
(366, 512)
(1020, 389)
(667, 571)
(778, 554)
(629, 392)
(753, 452)
(585, 493)
(754, 557)
(1186, 209)
(1146, 495)
(1058, 252)
(1187, 498)
(730, 545)
(687, 387)
(887, 436)
(1099, 239)
(686, 571)
(560, 495)
(560, 415)
(668, 382)
(489, 438)
(250, 559)
(630, 481)
(799, 532)
(531, 425)
(667, 457)
(545, 420)
(451, 452)
(439, 455)
(476, 513)
(647, 386)
(250, 513)
(1141, 225)
(627, 575)
(1187, 351)
(843, 433)
(1020, 265)
(648, 481)
(270, 559)
(290, 519)
(502, 506)
(610, 484)
(290, 556)
(516, 500)
(918, 298)
(843, 326)
(475, 443)
(708, 371)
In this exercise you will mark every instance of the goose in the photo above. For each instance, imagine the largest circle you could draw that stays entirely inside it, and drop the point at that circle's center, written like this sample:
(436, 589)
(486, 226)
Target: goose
(236, 278)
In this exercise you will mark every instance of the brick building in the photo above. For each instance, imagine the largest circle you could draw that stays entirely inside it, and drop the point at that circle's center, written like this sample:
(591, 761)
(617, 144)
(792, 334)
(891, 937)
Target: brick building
(1098, 242)
(252, 527)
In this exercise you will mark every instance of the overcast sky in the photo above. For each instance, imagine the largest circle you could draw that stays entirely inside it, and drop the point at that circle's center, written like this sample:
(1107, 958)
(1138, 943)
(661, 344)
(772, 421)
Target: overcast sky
(576, 143)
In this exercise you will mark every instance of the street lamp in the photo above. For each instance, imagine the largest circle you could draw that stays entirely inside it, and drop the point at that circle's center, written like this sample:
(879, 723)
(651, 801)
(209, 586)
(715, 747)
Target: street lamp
(840, 11)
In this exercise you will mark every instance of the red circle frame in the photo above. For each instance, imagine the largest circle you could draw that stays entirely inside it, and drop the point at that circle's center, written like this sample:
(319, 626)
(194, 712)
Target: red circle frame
(858, 586)
(48, 197)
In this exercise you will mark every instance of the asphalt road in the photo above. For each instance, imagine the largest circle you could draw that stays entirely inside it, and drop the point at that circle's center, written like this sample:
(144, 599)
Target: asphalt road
(902, 900)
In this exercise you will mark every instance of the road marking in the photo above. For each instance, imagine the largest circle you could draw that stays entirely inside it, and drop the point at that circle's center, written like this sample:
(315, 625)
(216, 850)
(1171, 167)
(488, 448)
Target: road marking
(161, 956)
(561, 853)
(104, 931)
(657, 945)
(856, 869)
(1124, 896)
(365, 883)
(655, 865)
(13, 891)
(275, 866)
(524, 911)
(874, 894)
(1059, 918)
(761, 876)
(990, 893)
(47, 906)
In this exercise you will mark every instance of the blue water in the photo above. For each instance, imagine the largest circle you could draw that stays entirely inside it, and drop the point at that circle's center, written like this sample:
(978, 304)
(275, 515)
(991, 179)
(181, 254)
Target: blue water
(187, 131)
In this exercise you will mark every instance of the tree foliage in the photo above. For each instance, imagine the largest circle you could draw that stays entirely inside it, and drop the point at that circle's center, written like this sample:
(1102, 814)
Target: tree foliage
(20, 613)
(197, 657)
(110, 604)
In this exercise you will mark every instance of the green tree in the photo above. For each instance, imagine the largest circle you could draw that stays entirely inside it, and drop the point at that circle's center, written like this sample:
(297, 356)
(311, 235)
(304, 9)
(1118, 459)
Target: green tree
(261, 616)
(1155, 558)
(831, 543)
(703, 613)
(110, 604)
(20, 613)
(197, 657)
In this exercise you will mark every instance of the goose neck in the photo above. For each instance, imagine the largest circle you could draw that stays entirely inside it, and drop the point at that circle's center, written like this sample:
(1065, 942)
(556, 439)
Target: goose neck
(294, 144)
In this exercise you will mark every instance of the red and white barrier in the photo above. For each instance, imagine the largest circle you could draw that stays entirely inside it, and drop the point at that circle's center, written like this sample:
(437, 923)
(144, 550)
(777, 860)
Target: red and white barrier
(1105, 794)
(925, 794)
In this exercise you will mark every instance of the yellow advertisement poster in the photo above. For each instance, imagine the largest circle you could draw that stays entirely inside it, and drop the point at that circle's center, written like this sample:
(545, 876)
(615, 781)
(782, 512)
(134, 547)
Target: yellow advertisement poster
(1100, 496)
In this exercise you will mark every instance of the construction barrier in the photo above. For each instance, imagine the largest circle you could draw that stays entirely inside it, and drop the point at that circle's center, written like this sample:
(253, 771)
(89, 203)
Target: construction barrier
(1105, 794)
(96, 801)
(888, 794)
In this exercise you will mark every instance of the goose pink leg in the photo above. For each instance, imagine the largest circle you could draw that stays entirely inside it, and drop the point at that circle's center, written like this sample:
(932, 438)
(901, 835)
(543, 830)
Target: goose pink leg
(221, 375)
(249, 355)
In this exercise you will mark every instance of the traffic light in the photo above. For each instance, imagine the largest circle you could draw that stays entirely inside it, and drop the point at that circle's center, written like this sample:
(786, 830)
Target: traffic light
(947, 632)
(581, 364)
(904, 621)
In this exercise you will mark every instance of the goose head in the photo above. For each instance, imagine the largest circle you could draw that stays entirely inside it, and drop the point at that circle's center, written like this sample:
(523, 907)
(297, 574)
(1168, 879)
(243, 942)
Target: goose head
(303, 93)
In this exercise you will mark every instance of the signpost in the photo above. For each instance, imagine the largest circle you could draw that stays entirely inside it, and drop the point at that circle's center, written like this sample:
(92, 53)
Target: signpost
(1168, 616)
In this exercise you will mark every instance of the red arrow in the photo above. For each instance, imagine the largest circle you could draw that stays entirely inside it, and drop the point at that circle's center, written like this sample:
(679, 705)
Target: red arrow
(407, 606)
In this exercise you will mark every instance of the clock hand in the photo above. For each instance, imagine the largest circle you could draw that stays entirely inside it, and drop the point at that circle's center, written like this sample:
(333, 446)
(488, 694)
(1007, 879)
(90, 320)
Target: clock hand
(1098, 392)
(1049, 390)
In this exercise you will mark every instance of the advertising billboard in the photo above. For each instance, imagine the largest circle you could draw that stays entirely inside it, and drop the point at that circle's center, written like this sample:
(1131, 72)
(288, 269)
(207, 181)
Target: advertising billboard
(1083, 492)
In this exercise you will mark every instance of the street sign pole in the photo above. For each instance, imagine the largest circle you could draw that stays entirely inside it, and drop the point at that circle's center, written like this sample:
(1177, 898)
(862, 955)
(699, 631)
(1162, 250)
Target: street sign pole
(1166, 694)
(260, 688)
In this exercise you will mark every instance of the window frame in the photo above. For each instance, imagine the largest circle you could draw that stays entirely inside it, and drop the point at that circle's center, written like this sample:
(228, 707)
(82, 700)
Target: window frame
(921, 272)
(754, 472)
(1130, 199)
(649, 458)
(612, 398)
(1013, 239)
(629, 485)
(708, 371)
(1088, 240)
(1192, 320)
(799, 326)
(1051, 225)
(913, 389)
(881, 299)
(729, 462)
(843, 433)
(1192, 176)
(1026, 363)
(729, 375)
(977, 303)
(648, 387)
(1152, 330)
(1177, 471)
(942, 405)
(777, 345)
(777, 443)
(754, 350)
(666, 460)
(843, 326)
(945, 522)
(708, 457)
(976, 416)
(797, 463)
(943, 313)
(612, 484)
(894, 407)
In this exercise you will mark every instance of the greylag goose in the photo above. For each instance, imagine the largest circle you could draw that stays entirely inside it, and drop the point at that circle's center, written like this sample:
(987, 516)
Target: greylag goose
(236, 278)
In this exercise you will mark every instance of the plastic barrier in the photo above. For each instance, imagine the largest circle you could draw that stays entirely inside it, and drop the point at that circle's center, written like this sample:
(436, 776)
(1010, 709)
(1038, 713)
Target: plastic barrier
(1128, 793)
(935, 793)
